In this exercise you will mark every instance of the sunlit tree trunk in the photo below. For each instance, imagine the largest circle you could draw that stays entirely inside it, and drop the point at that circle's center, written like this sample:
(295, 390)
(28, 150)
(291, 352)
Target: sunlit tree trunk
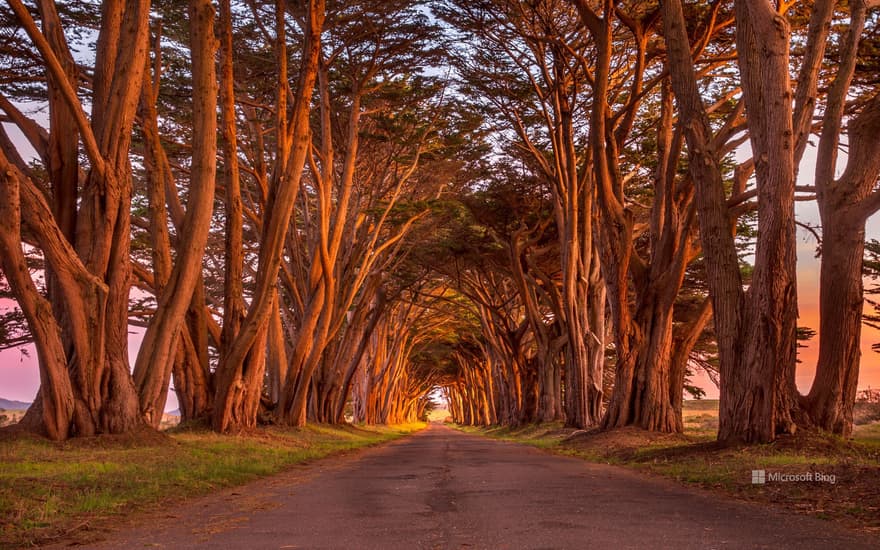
(152, 370)
(356, 358)
(56, 397)
(276, 366)
(91, 271)
(233, 301)
(641, 291)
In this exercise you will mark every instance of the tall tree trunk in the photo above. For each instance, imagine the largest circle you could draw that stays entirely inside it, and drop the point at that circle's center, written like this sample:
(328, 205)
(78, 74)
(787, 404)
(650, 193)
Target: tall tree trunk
(277, 353)
(648, 385)
(356, 359)
(92, 273)
(584, 350)
(758, 397)
(301, 367)
(55, 411)
(755, 331)
(62, 156)
(190, 369)
(152, 370)
(63, 134)
(233, 302)
(193, 381)
(844, 205)
(831, 397)
(646, 388)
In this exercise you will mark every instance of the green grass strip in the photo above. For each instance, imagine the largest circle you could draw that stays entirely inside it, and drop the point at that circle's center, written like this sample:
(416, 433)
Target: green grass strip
(48, 489)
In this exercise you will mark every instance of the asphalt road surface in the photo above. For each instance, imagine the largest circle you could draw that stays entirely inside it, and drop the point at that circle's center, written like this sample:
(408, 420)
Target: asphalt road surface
(447, 490)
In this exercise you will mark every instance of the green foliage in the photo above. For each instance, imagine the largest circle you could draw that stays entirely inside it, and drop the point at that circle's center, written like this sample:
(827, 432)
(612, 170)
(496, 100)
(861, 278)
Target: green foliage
(695, 392)
(804, 334)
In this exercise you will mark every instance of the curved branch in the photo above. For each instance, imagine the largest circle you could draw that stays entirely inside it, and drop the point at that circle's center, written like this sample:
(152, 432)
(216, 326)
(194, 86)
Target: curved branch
(54, 66)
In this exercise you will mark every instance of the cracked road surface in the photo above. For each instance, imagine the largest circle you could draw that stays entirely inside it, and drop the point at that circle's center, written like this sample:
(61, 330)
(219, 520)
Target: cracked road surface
(447, 490)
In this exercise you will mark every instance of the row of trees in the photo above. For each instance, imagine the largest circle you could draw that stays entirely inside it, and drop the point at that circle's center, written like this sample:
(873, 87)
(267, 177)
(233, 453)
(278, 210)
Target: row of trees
(630, 114)
(252, 171)
(330, 208)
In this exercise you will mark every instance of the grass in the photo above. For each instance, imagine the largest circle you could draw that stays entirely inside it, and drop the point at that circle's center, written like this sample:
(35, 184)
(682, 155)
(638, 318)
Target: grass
(694, 458)
(49, 490)
(869, 433)
(544, 436)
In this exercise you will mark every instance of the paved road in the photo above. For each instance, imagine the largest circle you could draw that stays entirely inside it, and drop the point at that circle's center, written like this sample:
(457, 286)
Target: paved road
(441, 489)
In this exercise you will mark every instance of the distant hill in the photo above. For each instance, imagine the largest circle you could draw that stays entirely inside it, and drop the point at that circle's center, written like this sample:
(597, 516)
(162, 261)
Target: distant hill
(9, 405)
(700, 405)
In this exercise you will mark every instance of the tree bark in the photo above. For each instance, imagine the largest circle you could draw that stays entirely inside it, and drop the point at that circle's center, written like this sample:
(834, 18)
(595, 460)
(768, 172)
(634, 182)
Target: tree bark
(92, 271)
(56, 409)
(152, 370)
(233, 303)
(844, 205)
(755, 331)
(758, 400)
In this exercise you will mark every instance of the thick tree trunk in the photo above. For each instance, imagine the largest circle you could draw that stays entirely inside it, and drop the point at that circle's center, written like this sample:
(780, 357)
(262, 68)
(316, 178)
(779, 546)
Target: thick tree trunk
(722, 265)
(831, 397)
(92, 272)
(356, 358)
(233, 302)
(647, 389)
(55, 410)
(659, 394)
(648, 384)
(63, 134)
(192, 377)
(550, 400)
(844, 205)
(629, 337)
(584, 350)
(758, 397)
(303, 361)
(276, 366)
(62, 157)
(756, 332)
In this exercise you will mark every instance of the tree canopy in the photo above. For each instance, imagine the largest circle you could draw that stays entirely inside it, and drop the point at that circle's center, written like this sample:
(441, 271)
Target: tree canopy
(332, 210)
